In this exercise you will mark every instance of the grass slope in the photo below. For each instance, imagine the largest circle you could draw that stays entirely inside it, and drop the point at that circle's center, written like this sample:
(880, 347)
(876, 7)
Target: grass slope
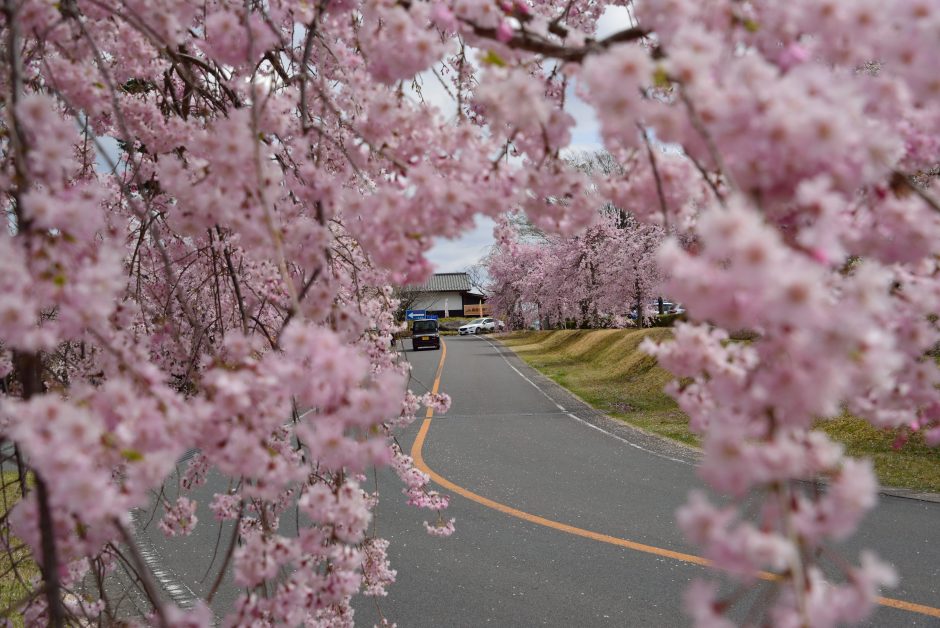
(17, 566)
(605, 368)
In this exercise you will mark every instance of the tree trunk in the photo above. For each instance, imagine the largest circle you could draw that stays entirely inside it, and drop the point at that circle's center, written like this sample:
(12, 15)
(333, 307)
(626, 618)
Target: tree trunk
(29, 371)
(638, 292)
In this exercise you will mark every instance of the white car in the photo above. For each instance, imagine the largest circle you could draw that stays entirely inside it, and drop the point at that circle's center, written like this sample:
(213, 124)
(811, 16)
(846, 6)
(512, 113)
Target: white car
(480, 325)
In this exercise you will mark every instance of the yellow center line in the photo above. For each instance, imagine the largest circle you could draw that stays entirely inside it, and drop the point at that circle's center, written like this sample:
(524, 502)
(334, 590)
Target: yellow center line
(416, 453)
(437, 380)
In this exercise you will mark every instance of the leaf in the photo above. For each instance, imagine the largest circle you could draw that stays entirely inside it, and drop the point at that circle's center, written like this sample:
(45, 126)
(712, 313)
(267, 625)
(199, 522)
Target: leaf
(491, 58)
(132, 455)
(661, 77)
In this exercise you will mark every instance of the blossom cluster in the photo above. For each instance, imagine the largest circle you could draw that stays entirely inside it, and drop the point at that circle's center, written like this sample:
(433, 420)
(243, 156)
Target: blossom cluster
(790, 152)
(594, 278)
(206, 206)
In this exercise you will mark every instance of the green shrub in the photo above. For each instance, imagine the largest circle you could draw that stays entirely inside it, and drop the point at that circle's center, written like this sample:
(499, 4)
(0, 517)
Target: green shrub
(666, 320)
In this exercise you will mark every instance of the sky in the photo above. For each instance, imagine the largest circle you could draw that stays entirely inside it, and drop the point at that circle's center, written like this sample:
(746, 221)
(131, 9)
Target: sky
(458, 254)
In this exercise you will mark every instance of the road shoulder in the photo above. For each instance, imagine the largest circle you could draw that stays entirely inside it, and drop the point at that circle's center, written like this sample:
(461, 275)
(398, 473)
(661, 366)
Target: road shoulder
(580, 410)
(632, 435)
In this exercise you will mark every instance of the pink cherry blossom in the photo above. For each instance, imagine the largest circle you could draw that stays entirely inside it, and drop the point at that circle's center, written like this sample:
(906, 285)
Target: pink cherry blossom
(207, 207)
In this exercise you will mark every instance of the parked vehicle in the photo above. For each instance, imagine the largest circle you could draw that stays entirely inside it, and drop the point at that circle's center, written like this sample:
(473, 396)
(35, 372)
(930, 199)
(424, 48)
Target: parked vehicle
(652, 309)
(481, 325)
(668, 308)
(425, 334)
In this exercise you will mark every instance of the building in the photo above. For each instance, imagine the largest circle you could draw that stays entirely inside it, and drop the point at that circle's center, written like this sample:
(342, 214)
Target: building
(444, 294)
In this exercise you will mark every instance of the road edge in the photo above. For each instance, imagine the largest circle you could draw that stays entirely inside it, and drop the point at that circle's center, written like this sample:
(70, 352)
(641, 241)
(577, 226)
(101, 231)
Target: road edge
(581, 411)
(657, 444)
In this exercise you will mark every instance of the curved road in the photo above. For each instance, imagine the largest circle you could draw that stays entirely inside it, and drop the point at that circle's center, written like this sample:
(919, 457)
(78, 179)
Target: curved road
(564, 517)
(562, 524)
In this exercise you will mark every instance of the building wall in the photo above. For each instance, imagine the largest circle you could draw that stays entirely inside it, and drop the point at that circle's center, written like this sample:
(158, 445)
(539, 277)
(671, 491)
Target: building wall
(434, 301)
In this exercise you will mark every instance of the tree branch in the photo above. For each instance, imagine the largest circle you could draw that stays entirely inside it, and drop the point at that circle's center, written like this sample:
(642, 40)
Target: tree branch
(143, 573)
(905, 180)
(659, 181)
(533, 43)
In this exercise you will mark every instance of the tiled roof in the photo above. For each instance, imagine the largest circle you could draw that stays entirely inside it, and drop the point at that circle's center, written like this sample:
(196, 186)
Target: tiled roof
(445, 282)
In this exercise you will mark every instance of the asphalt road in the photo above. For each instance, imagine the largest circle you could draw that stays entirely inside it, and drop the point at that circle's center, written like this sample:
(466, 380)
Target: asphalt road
(564, 517)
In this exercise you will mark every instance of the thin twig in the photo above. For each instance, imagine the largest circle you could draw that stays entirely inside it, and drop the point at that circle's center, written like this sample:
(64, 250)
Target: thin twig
(909, 183)
(708, 179)
(50, 559)
(231, 271)
(128, 140)
(143, 573)
(215, 551)
(132, 575)
(98, 572)
(300, 297)
(699, 125)
(659, 181)
(228, 555)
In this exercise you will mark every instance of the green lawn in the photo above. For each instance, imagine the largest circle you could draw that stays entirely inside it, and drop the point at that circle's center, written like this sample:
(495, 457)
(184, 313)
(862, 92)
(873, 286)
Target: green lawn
(914, 466)
(605, 368)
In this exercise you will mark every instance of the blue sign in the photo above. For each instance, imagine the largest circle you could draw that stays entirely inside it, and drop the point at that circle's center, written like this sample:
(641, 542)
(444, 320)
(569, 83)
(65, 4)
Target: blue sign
(412, 315)
(430, 317)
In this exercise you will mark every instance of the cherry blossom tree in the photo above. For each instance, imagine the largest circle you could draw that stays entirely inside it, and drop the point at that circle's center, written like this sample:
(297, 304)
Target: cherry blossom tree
(594, 278)
(207, 202)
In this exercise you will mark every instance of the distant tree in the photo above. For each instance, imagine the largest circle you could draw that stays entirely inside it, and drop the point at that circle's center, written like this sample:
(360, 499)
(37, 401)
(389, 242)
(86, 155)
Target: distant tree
(595, 277)
(476, 275)
(407, 297)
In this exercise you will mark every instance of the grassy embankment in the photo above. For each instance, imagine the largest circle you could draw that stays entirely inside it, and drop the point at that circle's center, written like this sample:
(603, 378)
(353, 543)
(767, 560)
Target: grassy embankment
(605, 369)
(13, 582)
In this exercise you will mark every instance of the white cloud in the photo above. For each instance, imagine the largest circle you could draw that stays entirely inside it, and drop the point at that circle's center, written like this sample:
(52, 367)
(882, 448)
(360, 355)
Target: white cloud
(449, 256)
(614, 19)
(107, 152)
(586, 132)
(434, 93)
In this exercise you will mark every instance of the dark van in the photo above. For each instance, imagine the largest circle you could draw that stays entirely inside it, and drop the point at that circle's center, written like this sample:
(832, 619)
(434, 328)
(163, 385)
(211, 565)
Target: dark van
(424, 334)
